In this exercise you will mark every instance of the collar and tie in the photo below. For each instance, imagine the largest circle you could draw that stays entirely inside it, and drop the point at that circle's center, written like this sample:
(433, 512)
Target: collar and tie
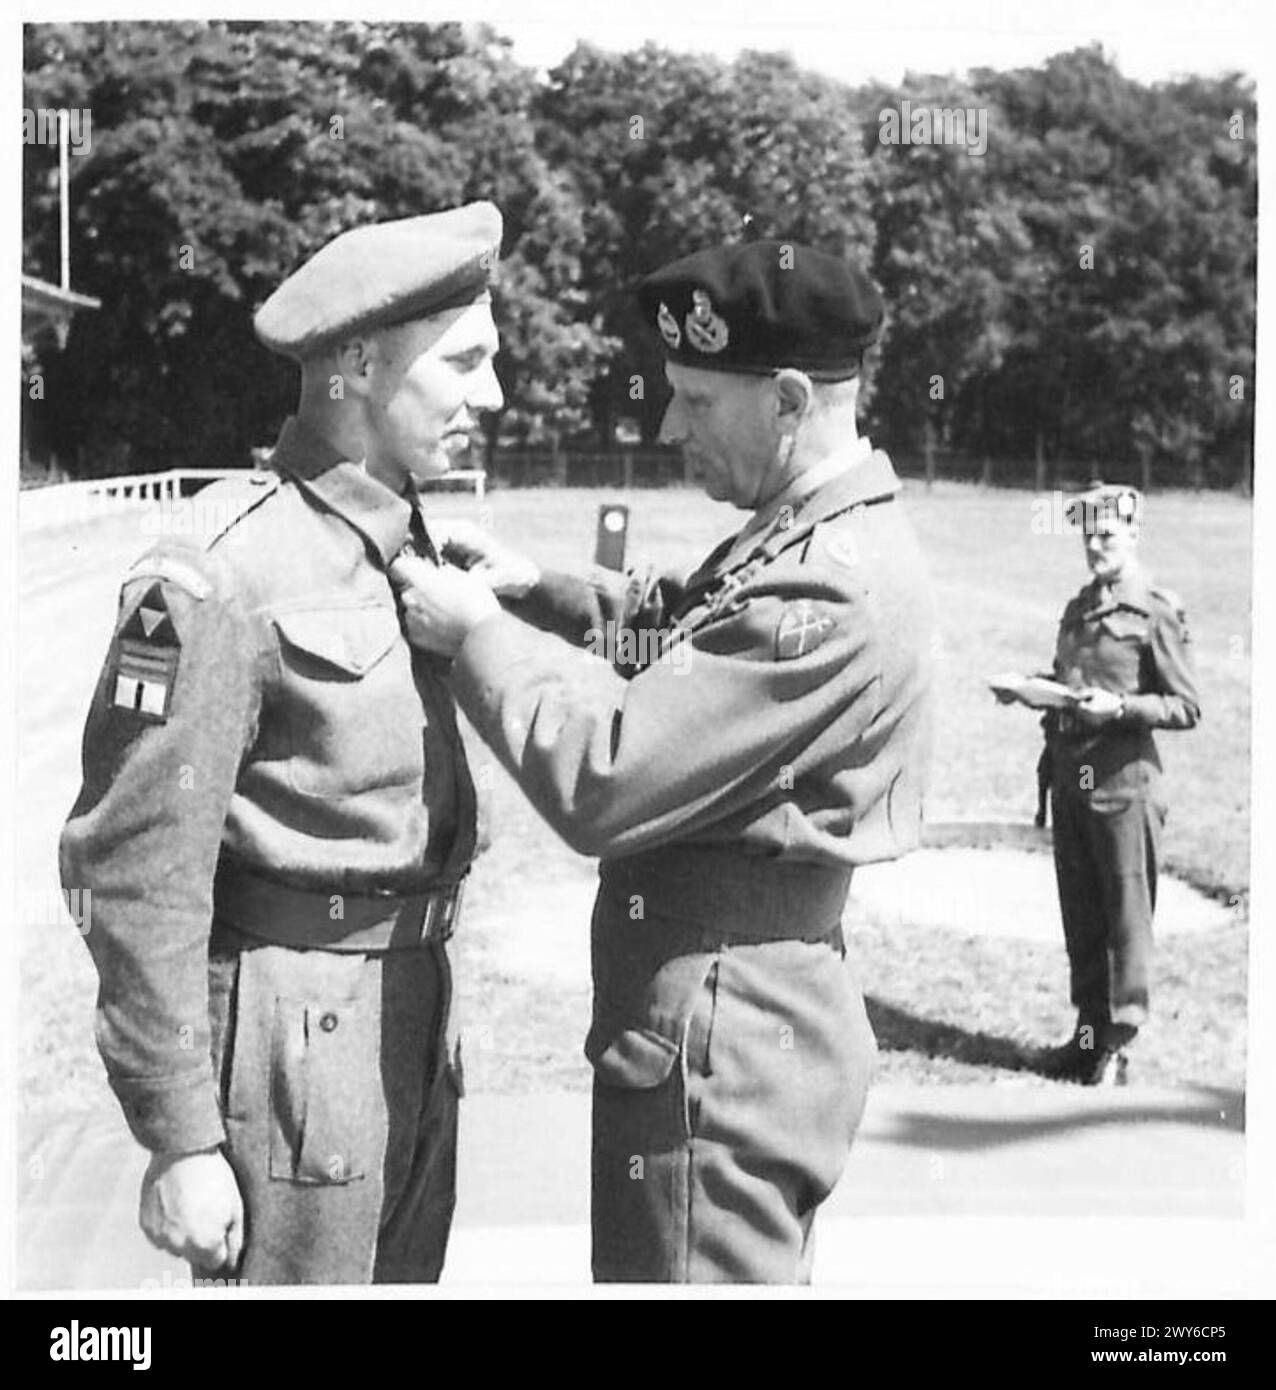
(419, 543)
(344, 487)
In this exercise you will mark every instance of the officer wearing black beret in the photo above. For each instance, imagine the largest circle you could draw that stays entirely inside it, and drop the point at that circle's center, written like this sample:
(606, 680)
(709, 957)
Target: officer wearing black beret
(773, 737)
(1123, 647)
(276, 817)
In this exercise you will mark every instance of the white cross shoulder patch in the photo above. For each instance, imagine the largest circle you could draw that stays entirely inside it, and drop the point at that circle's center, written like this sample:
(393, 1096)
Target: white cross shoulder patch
(804, 625)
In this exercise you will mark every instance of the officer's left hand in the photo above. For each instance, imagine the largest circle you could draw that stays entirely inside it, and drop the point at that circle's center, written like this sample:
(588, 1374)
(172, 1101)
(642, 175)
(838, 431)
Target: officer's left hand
(441, 604)
(1099, 707)
(503, 569)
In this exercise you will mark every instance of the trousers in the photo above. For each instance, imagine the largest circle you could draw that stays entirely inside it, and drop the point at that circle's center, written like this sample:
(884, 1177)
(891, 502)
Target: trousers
(1106, 852)
(339, 1090)
(719, 1129)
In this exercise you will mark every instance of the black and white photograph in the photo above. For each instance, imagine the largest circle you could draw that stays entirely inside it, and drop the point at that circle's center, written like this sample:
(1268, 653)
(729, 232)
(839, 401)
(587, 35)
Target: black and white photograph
(633, 659)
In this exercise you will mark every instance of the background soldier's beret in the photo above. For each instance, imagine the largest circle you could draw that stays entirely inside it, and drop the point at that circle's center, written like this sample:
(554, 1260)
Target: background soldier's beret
(761, 305)
(385, 273)
(1104, 501)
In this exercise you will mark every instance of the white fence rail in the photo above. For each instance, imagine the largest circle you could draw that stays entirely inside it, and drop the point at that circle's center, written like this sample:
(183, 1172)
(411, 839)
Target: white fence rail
(70, 504)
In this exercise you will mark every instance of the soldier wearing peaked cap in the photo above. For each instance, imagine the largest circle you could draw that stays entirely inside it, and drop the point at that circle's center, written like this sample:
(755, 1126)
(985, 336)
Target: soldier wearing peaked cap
(730, 796)
(276, 818)
(1123, 645)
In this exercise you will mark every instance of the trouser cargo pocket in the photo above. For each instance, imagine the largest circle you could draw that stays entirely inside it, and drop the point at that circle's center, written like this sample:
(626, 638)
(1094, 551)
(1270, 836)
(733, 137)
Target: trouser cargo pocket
(323, 1050)
(643, 1133)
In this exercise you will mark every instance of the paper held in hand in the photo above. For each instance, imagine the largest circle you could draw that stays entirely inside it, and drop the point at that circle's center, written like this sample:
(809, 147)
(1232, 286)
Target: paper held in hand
(1037, 691)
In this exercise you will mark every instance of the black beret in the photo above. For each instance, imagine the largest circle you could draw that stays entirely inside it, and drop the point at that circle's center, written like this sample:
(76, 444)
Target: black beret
(761, 305)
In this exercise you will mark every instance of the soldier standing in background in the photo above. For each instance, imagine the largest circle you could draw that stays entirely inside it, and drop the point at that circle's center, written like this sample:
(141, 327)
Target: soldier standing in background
(1123, 643)
(277, 817)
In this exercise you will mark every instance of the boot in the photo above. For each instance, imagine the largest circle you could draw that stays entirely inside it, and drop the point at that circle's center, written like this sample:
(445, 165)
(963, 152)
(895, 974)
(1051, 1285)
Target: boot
(1094, 1054)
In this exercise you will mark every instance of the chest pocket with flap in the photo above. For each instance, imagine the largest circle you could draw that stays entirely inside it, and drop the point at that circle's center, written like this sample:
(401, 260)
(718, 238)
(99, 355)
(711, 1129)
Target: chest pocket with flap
(1125, 625)
(1119, 646)
(347, 700)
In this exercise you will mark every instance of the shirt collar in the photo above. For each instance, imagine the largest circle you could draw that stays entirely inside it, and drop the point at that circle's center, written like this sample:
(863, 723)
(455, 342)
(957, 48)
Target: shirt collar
(1129, 591)
(871, 479)
(831, 477)
(343, 487)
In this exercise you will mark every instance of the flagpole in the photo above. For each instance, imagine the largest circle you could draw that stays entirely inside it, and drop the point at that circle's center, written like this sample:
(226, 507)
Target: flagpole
(64, 122)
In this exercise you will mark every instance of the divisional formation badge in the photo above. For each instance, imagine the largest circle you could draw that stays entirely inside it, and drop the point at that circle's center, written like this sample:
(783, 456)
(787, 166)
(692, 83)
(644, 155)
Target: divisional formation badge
(147, 653)
(803, 626)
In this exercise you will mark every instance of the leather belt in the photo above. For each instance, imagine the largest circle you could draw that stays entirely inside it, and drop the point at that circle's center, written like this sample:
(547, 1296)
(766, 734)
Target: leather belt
(733, 897)
(320, 919)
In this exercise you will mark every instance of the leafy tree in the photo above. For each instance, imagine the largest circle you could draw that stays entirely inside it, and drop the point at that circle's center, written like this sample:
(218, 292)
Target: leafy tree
(952, 255)
(222, 156)
(1083, 288)
(1124, 364)
(671, 153)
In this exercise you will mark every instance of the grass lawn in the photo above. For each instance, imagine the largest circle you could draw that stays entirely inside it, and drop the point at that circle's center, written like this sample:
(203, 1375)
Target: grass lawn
(1001, 589)
(946, 1008)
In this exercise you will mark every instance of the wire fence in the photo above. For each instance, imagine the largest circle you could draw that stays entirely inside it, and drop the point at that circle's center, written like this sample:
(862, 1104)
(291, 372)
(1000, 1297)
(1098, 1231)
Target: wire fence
(655, 467)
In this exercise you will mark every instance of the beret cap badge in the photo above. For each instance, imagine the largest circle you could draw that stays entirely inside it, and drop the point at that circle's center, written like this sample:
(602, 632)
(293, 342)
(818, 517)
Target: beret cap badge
(759, 306)
(706, 330)
(668, 326)
(1107, 502)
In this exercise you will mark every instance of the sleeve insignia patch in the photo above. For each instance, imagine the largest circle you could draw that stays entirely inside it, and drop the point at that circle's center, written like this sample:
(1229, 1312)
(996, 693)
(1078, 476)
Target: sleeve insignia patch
(803, 626)
(147, 653)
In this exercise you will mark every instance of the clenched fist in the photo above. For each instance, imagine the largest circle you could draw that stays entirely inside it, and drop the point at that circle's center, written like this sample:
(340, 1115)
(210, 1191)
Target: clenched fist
(191, 1207)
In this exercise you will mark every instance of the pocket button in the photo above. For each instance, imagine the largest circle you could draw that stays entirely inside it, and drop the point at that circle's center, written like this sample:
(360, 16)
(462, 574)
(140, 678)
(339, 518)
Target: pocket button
(328, 1022)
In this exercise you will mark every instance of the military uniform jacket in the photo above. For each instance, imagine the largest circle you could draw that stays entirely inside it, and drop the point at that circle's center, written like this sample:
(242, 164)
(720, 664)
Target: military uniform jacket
(796, 726)
(1130, 638)
(259, 710)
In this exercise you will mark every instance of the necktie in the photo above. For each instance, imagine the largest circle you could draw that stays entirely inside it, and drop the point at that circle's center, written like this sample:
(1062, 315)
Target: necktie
(419, 542)
(440, 712)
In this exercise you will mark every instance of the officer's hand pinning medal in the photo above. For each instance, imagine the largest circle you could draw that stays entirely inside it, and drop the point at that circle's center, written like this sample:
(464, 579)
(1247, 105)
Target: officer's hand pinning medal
(441, 604)
(507, 572)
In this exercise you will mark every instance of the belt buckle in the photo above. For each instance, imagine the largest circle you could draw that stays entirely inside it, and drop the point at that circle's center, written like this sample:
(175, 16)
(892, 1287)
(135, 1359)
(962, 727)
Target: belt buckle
(441, 913)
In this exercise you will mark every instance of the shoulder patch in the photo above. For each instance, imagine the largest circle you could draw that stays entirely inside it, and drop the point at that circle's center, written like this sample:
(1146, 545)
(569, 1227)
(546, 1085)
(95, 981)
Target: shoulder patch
(804, 625)
(147, 652)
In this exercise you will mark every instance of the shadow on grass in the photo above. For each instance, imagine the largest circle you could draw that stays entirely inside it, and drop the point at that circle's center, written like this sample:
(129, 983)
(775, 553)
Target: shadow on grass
(1205, 1106)
(899, 1031)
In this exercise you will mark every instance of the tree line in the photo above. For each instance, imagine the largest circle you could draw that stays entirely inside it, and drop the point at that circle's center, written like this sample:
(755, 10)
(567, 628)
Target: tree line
(1068, 256)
